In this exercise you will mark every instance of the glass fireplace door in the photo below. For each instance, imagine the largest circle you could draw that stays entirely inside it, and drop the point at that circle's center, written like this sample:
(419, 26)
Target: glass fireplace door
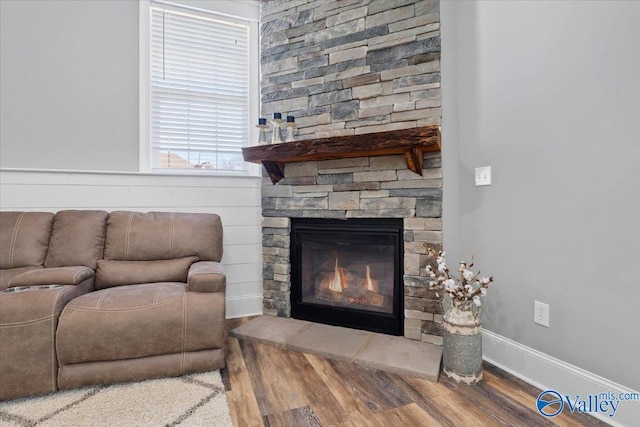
(348, 273)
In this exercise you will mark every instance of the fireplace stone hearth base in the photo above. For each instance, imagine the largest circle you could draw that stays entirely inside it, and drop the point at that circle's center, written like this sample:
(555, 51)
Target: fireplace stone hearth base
(369, 349)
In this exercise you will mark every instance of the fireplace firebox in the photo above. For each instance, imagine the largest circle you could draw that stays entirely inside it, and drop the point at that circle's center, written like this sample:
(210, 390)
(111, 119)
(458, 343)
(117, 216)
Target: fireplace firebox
(348, 272)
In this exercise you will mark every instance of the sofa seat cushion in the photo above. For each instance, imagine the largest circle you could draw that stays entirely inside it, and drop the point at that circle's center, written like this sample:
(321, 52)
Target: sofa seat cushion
(28, 320)
(133, 321)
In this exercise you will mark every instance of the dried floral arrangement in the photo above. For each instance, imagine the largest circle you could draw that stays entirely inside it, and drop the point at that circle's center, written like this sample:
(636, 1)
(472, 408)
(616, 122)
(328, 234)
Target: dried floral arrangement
(468, 286)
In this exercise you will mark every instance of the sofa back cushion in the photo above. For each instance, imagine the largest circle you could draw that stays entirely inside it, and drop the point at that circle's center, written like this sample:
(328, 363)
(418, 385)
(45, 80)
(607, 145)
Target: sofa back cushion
(77, 238)
(24, 237)
(118, 273)
(135, 236)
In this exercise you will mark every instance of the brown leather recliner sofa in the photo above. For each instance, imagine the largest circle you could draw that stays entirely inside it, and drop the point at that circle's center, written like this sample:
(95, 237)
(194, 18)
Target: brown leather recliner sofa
(91, 297)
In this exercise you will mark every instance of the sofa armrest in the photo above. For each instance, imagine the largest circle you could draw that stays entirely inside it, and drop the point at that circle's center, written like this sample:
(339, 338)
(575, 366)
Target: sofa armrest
(206, 276)
(55, 275)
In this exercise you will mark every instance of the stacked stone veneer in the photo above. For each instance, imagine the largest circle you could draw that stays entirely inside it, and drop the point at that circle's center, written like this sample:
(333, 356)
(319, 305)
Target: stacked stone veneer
(364, 187)
(351, 66)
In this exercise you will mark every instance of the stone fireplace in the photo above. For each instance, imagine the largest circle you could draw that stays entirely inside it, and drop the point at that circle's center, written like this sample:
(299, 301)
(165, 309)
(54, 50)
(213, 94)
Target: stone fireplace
(348, 69)
(363, 187)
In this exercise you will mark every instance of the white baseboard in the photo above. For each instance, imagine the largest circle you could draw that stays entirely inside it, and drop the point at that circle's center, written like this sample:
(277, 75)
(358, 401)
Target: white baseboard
(243, 306)
(548, 373)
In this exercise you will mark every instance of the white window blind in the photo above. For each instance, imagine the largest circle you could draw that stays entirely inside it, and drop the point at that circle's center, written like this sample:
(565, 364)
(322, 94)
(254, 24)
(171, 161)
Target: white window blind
(199, 94)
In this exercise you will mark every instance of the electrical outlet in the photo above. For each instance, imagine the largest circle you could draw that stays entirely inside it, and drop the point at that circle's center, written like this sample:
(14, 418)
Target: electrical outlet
(483, 176)
(541, 313)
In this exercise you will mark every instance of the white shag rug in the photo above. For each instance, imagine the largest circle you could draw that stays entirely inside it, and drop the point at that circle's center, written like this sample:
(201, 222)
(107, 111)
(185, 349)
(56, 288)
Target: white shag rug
(192, 400)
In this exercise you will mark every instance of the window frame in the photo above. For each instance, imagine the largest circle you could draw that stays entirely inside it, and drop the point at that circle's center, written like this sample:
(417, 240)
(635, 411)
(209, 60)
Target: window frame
(221, 8)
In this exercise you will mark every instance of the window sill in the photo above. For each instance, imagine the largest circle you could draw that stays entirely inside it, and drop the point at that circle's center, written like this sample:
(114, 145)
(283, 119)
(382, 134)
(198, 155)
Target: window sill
(136, 173)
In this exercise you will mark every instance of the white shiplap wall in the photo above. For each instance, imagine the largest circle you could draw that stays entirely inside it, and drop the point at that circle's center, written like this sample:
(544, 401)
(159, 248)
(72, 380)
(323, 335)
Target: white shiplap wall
(235, 199)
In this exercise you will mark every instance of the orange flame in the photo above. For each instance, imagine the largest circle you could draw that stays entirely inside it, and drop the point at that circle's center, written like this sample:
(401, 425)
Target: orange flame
(338, 281)
(368, 280)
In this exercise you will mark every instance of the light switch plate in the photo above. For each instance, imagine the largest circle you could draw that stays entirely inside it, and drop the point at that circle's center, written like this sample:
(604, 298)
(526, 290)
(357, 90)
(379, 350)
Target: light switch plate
(483, 176)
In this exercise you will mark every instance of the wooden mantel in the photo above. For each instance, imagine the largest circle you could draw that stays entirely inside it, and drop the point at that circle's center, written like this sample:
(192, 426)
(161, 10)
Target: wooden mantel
(413, 143)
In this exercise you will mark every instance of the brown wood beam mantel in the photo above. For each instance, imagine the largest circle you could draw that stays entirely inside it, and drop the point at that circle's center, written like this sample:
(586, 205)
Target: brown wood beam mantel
(413, 143)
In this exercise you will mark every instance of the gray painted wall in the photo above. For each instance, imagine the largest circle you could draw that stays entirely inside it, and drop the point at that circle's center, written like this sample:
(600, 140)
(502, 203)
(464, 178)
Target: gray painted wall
(69, 79)
(449, 130)
(69, 82)
(548, 94)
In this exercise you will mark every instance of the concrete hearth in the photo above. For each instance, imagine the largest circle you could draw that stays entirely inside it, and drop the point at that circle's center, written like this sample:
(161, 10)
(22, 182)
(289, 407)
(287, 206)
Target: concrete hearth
(369, 349)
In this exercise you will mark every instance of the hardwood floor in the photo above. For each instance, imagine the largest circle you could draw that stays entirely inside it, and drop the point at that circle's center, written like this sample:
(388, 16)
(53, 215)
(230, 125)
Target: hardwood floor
(267, 386)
